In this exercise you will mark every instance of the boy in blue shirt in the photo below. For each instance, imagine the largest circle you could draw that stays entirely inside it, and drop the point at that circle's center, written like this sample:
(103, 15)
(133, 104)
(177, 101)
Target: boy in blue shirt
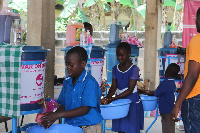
(80, 96)
(166, 94)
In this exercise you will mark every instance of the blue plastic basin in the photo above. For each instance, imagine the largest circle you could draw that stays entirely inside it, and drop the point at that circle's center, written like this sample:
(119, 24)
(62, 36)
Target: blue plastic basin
(149, 102)
(116, 109)
(55, 128)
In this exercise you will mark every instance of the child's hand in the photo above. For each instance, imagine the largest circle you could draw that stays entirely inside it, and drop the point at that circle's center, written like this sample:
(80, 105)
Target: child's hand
(38, 120)
(149, 93)
(49, 119)
(141, 91)
(105, 100)
(178, 90)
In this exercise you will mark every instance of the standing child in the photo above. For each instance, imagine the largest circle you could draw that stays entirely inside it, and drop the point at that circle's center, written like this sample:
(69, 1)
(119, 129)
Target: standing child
(166, 94)
(88, 28)
(124, 79)
(80, 96)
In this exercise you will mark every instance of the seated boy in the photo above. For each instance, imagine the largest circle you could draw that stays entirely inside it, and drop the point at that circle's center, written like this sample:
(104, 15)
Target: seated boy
(80, 96)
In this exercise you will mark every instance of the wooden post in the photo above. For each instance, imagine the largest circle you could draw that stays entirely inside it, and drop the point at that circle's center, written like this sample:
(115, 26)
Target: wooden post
(152, 42)
(1, 4)
(41, 32)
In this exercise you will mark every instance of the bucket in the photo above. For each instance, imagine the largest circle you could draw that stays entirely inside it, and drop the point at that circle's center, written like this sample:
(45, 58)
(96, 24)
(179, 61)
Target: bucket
(116, 109)
(96, 62)
(167, 39)
(115, 32)
(33, 64)
(111, 58)
(74, 29)
(55, 128)
(149, 102)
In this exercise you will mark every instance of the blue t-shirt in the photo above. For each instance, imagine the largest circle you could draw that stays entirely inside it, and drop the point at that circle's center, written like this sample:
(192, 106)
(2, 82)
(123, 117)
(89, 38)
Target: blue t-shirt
(166, 94)
(85, 92)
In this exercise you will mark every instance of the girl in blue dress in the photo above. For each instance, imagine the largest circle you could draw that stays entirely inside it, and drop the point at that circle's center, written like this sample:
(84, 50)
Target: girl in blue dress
(124, 85)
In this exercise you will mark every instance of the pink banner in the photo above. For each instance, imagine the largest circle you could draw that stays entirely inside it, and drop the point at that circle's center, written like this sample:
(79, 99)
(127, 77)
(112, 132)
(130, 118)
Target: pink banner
(189, 25)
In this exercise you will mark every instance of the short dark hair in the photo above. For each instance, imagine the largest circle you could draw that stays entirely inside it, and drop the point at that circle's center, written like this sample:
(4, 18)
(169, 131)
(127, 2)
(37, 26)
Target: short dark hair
(197, 20)
(124, 45)
(198, 11)
(88, 26)
(173, 69)
(80, 51)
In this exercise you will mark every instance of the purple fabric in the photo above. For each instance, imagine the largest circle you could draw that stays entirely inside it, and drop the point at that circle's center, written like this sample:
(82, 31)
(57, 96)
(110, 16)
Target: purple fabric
(124, 77)
(134, 121)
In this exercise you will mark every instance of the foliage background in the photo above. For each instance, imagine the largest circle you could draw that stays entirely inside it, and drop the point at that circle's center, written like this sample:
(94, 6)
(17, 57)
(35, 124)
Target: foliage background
(95, 12)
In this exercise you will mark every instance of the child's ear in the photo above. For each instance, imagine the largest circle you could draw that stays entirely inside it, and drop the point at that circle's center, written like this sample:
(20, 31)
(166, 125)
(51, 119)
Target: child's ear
(83, 63)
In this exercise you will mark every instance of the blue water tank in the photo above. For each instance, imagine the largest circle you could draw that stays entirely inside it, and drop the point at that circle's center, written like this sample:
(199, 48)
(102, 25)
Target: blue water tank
(111, 58)
(32, 55)
(162, 52)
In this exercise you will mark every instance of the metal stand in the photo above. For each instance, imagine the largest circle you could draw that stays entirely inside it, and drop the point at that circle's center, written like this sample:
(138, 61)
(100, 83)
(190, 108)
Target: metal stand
(154, 119)
(23, 128)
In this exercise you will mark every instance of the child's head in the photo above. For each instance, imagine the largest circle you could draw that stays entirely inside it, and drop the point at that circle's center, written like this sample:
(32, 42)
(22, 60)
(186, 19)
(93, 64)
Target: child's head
(88, 26)
(76, 60)
(172, 70)
(123, 52)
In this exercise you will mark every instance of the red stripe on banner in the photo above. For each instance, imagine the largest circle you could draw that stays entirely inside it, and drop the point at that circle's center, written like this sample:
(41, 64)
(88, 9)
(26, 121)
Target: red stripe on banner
(32, 102)
(190, 9)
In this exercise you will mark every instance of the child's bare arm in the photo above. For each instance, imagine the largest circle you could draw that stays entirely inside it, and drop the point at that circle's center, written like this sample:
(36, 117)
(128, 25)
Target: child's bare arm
(112, 89)
(131, 86)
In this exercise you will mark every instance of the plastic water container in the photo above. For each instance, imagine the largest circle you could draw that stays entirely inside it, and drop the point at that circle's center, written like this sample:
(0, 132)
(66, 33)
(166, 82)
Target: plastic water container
(111, 58)
(149, 102)
(55, 128)
(167, 39)
(97, 61)
(115, 32)
(116, 109)
(33, 64)
(74, 29)
(6, 18)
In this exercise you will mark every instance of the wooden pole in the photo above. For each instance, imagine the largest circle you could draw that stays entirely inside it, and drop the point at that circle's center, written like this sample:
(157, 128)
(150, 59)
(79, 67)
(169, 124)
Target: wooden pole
(41, 32)
(152, 42)
(1, 4)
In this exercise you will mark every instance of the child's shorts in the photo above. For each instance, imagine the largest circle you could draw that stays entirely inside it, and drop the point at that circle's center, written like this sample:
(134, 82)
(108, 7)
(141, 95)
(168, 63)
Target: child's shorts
(92, 129)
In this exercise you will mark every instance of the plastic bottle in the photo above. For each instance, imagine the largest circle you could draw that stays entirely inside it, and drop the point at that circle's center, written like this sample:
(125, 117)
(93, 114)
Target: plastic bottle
(124, 36)
(167, 37)
(5, 24)
(6, 18)
(74, 28)
(115, 32)
(15, 36)
(83, 38)
(89, 37)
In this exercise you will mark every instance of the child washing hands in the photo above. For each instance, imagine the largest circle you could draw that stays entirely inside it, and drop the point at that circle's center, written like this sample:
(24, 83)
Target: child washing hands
(124, 79)
(165, 92)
